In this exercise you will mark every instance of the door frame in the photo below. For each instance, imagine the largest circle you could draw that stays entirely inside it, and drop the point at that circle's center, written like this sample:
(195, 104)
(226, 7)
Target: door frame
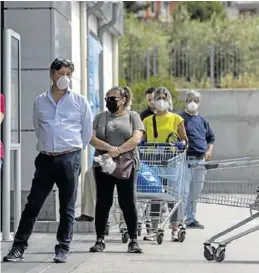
(8, 35)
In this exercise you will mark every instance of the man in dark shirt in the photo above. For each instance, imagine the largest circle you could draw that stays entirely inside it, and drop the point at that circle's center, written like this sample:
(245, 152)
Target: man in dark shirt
(150, 110)
(201, 139)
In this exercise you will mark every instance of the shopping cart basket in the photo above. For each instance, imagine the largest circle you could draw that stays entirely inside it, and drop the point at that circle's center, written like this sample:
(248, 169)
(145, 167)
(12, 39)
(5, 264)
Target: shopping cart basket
(167, 162)
(243, 194)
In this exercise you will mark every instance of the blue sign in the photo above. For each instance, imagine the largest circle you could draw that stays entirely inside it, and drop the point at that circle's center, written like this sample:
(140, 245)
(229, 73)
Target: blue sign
(94, 49)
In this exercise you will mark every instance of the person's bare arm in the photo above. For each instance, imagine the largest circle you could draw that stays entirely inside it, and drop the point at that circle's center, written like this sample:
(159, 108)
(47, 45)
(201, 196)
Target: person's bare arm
(132, 143)
(99, 144)
(182, 133)
(208, 154)
(1, 117)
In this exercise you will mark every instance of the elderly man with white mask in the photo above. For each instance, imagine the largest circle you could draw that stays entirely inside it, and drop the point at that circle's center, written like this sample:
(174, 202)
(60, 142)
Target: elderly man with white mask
(201, 139)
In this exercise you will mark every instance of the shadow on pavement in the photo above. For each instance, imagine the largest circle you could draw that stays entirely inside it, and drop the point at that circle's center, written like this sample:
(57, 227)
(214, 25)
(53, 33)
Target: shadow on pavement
(28, 262)
(240, 262)
(197, 261)
(108, 241)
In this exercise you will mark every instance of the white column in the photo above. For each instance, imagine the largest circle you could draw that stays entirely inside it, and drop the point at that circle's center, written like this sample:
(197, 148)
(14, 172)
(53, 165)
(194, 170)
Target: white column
(83, 49)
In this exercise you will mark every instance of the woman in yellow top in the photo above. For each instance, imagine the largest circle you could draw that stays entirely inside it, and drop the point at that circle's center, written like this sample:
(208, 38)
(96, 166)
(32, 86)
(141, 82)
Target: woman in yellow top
(167, 124)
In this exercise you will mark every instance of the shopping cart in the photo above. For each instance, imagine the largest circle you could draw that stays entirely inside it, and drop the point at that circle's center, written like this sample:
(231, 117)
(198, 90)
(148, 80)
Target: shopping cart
(243, 194)
(167, 191)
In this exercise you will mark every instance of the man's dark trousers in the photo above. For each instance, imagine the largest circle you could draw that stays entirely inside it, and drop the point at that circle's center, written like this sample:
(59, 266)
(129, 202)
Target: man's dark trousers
(63, 170)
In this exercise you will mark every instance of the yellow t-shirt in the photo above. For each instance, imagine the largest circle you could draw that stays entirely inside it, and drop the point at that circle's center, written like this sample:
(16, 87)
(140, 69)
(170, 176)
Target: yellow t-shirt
(166, 124)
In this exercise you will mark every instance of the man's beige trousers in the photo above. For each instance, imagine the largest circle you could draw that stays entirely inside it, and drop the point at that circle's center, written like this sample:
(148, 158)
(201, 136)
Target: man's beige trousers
(89, 194)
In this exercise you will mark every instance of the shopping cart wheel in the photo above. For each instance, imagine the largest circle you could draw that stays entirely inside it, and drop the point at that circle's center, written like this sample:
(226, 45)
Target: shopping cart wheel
(181, 235)
(125, 237)
(219, 254)
(107, 229)
(207, 254)
(159, 238)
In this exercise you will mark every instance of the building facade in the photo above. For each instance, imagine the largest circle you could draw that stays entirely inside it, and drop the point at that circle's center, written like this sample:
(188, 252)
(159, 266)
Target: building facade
(33, 34)
(160, 10)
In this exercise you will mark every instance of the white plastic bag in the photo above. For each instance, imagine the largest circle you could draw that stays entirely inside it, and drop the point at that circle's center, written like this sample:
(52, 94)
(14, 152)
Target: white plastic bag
(107, 164)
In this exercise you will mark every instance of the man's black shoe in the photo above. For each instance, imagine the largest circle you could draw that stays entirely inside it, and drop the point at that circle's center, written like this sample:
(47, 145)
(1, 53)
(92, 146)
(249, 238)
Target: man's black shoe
(15, 254)
(195, 225)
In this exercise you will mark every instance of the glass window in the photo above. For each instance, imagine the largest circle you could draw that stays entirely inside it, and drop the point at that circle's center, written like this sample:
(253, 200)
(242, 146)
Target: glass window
(15, 92)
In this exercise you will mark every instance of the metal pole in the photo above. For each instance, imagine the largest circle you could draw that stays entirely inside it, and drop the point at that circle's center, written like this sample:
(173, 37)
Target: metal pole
(212, 83)
(7, 86)
(17, 189)
(18, 160)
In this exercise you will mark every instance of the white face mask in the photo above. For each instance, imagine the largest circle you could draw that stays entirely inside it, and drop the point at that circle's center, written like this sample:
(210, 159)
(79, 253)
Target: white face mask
(63, 82)
(192, 106)
(162, 105)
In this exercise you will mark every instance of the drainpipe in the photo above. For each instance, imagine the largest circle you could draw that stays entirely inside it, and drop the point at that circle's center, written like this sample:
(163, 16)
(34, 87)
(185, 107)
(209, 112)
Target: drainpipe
(101, 31)
(95, 7)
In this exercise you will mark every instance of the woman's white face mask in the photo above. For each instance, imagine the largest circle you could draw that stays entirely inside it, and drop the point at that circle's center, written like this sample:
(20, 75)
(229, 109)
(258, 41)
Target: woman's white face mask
(162, 105)
(192, 106)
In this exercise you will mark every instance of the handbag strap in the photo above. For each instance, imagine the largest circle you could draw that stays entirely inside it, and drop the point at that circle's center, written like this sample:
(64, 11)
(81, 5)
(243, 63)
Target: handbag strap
(155, 126)
(105, 128)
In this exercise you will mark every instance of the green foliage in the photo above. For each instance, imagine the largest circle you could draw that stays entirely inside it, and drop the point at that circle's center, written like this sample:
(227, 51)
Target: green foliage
(139, 38)
(139, 88)
(203, 10)
(184, 48)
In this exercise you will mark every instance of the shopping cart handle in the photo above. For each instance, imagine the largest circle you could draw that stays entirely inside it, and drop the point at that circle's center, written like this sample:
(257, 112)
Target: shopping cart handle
(149, 144)
(155, 145)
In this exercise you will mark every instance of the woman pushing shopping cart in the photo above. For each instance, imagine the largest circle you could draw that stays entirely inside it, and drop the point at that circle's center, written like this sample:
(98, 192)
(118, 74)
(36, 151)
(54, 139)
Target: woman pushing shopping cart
(167, 161)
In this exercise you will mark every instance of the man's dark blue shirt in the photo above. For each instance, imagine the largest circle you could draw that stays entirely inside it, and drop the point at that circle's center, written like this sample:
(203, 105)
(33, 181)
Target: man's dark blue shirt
(199, 134)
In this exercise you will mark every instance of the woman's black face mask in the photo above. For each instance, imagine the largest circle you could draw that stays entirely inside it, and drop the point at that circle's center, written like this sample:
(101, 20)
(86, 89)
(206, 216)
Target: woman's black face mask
(112, 104)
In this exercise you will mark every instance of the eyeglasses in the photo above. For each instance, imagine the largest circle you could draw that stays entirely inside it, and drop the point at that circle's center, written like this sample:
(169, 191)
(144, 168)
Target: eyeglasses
(112, 98)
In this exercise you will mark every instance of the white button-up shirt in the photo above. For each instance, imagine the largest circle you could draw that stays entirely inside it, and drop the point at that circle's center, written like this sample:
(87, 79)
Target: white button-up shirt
(64, 125)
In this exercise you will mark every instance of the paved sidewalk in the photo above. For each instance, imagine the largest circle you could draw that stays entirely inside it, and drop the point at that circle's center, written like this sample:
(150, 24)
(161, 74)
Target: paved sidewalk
(241, 256)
